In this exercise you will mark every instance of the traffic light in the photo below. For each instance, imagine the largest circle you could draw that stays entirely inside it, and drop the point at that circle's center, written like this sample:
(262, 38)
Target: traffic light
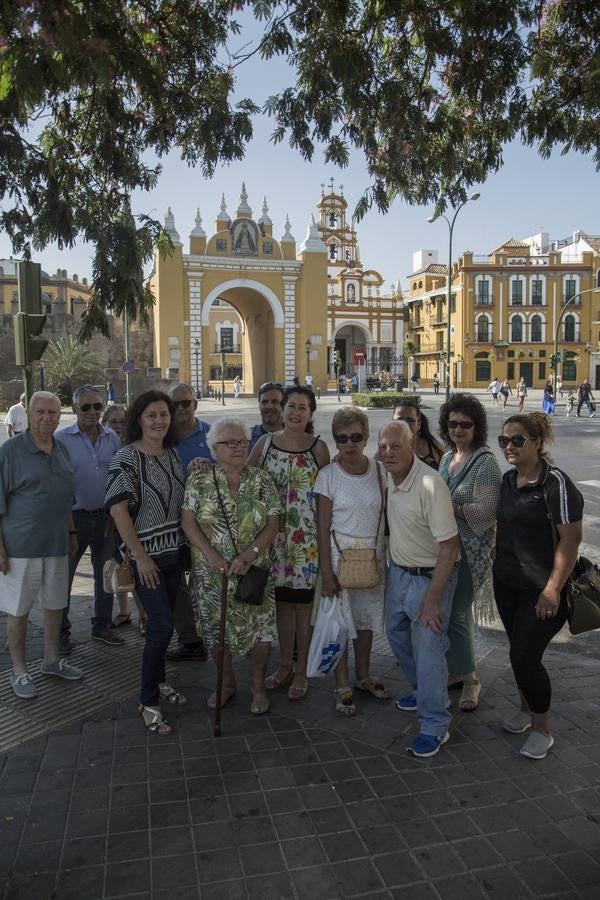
(29, 346)
(553, 361)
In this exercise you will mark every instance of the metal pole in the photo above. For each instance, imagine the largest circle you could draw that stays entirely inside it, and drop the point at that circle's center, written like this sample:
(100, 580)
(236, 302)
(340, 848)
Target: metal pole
(557, 328)
(223, 376)
(128, 392)
(448, 324)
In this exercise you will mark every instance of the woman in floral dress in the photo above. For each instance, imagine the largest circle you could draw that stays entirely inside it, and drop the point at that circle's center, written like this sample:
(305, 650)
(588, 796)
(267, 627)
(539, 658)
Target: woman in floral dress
(293, 457)
(231, 516)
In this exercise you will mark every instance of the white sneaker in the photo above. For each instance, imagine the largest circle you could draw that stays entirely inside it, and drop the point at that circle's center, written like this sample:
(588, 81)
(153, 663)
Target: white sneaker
(517, 722)
(537, 745)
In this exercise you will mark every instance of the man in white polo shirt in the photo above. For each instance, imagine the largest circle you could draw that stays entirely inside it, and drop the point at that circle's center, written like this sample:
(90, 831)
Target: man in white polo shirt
(424, 548)
(16, 417)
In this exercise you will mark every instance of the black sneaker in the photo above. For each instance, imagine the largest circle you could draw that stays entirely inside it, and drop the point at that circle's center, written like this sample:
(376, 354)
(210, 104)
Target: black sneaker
(183, 652)
(107, 636)
(65, 644)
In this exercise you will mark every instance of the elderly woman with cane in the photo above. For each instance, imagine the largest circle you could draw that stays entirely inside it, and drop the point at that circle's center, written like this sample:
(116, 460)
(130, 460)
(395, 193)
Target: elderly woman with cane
(231, 516)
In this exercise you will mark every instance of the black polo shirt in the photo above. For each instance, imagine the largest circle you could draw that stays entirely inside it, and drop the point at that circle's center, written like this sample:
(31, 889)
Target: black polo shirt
(524, 540)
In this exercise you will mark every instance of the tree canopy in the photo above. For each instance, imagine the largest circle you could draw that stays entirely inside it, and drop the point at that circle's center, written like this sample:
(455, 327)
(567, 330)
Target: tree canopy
(94, 92)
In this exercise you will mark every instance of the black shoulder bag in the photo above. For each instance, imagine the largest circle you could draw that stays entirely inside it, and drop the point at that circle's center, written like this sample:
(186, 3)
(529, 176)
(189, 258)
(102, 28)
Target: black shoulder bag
(250, 588)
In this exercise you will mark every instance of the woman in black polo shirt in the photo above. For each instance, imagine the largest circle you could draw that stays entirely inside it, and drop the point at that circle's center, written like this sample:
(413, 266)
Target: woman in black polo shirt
(530, 573)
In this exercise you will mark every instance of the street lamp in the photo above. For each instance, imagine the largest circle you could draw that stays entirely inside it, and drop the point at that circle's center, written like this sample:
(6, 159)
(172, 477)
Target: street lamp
(450, 225)
(196, 354)
(224, 350)
(308, 348)
(557, 328)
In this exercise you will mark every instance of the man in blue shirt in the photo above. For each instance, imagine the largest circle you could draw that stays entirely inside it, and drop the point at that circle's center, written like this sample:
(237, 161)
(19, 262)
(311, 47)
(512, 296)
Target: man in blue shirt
(36, 534)
(91, 447)
(270, 397)
(191, 444)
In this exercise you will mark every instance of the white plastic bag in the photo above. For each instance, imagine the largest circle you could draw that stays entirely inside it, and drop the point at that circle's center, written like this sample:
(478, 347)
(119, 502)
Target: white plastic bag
(333, 627)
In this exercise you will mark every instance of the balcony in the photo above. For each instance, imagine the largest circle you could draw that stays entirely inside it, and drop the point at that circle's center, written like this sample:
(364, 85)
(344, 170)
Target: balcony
(227, 348)
(483, 301)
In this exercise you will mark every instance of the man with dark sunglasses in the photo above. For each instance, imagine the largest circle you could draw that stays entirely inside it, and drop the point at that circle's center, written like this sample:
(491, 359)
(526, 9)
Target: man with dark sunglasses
(191, 444)
(91, 447)
(270, 397)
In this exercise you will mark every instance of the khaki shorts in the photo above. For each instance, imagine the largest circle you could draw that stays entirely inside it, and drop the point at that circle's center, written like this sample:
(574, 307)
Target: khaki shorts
(46, 577)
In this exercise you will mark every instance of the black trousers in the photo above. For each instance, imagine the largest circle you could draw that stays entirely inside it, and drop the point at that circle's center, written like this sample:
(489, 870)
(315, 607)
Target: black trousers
(528, 637)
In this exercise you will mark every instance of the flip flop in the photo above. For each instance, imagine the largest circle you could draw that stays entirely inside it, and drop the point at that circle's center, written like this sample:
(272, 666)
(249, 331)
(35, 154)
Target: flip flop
(226, 696)
(121, 619)
(259, 708)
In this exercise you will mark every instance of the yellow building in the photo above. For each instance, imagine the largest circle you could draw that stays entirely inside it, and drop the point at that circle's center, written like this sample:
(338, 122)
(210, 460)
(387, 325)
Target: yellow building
(268, 310)
(62, 294)
(505, 308)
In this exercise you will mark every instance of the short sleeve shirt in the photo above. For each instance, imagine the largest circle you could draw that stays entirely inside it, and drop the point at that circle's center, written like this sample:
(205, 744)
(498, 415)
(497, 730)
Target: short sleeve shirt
(90, 462)
(194, 445)
(524, 540)
(16, 417)
(36, 496)
(420, 516)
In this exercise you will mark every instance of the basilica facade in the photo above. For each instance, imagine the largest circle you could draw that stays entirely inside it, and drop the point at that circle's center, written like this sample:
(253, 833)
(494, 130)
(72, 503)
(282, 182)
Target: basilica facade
(241, 302)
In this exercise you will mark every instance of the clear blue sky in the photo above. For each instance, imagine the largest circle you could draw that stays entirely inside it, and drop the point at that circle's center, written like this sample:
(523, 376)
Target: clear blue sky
(527, 195)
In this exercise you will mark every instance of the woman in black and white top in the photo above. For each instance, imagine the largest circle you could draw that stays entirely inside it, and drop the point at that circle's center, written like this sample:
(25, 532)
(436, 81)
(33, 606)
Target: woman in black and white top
(144, 493)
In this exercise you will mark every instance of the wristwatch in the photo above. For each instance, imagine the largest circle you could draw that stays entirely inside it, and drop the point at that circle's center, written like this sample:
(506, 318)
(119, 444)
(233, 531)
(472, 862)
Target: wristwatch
(256, 550)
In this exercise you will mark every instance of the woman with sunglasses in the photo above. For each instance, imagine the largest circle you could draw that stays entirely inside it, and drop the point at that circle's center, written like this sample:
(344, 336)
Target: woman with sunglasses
(538, 503)
(350, 513)
(427, 448)
(293, 457)
(473, 476)
(230, 515)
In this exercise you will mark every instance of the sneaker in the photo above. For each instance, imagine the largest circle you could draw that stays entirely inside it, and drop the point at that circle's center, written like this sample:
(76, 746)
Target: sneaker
(426, 745)
(408, 703)
(592, 415)
(107, 636)
(23, 686)
(517, 722)
(183, 652)
(65, 644)
(62, 669)
(537, 745)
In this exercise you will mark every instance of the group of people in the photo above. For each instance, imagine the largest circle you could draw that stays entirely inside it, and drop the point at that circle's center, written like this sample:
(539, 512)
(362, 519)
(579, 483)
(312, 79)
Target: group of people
(267, 507)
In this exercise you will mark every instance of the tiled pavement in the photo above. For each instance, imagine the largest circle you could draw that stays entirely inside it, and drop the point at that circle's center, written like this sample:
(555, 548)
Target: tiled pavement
(301, 804)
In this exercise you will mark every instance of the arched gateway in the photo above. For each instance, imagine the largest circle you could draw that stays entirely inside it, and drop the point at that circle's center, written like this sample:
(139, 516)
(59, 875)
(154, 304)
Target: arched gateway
(249, 304)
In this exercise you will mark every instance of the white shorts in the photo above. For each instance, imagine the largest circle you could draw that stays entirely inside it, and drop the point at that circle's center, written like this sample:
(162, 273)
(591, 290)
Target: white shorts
(46, 577)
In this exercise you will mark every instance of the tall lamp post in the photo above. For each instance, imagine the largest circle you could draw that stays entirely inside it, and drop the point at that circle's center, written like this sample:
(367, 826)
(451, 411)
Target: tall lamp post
(450, 225)
(568, 303)
(308, 348)
(196, 354)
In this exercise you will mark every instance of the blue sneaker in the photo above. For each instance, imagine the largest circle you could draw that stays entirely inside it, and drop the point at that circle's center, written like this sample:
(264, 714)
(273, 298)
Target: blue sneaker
(408, 703)
(427, 745)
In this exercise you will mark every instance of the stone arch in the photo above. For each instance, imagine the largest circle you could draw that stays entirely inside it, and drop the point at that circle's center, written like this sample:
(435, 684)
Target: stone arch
(247, 284)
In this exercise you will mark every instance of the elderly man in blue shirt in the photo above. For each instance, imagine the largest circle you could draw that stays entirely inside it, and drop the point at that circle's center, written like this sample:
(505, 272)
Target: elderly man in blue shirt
(36, 533)
(91, 447)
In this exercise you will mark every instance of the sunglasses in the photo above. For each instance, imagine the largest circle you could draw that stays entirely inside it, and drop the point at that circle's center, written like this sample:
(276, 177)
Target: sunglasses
(185, 404)
(233, 445)
(85, 407)
(271, 386)
(517, 440)
(356, 437)
(466, 426)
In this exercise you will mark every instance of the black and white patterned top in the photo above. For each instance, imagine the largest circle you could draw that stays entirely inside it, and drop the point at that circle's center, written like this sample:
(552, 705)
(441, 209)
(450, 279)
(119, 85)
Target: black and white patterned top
(154, 488)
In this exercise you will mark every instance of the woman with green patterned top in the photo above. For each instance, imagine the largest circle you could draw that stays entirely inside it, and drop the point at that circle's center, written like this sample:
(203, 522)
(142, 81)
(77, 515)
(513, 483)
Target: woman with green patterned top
(231, 516)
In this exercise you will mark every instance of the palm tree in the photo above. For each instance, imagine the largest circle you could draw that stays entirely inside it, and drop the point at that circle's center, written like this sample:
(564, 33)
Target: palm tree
(68, 362)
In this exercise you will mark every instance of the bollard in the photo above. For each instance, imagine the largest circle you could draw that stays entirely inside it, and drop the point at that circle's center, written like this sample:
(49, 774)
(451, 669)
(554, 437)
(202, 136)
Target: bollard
(318, 393)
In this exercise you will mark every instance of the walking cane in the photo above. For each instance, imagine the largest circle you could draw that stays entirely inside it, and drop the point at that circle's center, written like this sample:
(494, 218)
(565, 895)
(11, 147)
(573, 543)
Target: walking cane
(221, 651)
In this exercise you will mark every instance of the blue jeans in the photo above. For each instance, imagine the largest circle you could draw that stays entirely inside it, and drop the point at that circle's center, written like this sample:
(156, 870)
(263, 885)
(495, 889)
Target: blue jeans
(92, 532)
(419, 650)
(158, 604)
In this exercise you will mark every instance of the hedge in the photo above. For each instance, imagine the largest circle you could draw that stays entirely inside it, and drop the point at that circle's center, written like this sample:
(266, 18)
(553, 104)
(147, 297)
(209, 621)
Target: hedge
(382, 399)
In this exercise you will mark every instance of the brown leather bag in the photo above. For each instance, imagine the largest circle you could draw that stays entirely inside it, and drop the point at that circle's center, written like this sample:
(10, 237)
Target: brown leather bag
(358, 568)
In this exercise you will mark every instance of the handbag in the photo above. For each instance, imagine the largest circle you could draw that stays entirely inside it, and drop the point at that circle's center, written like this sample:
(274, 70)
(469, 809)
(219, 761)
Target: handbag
(358, 567)
(251, 586)
(583, 588)
(118, 577)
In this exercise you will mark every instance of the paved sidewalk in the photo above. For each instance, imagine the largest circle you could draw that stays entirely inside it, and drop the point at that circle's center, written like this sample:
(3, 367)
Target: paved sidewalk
(299, 803)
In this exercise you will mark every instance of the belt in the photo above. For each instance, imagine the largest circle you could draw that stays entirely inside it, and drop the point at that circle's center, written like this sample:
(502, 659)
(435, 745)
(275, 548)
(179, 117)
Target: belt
(417, 570)
(90, 512)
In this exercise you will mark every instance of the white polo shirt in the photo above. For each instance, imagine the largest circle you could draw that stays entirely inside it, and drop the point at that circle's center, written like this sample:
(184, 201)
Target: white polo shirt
(420, 516)
(17, 418)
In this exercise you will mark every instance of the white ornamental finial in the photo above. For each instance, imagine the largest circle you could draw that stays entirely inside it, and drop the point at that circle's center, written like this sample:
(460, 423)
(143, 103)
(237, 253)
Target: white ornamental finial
(198, 230)
(223, 215)
(170, 227)
(313, 242)
(288, 237)
(243, 208)
(264, 219)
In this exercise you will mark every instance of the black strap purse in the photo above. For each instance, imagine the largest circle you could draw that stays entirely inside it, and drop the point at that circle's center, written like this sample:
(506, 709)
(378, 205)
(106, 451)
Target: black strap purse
(250, 588)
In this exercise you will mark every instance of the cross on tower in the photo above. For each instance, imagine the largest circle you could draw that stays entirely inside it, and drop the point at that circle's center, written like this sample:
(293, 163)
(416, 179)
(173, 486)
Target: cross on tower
(331, 184)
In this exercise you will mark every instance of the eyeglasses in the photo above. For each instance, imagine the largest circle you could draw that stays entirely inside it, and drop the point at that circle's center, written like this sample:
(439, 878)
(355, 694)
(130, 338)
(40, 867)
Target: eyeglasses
(233, 445)
(85, 407)
(356, 437)
(517, 440)
(271, 386)
(466, 426)
(185, 404)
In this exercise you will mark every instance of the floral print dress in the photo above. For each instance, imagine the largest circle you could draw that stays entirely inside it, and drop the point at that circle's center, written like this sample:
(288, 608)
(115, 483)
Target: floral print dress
(247, 515)
(296, 558)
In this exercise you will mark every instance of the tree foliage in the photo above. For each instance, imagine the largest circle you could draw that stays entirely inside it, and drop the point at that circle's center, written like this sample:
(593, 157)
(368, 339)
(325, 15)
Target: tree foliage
(94, 92)
(67, 362)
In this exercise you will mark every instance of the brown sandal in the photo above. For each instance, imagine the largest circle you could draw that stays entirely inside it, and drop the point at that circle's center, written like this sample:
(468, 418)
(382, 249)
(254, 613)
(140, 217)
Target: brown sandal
(154, 721)
(273, 681)
(168, 694)
(227, 693)
(260, 703)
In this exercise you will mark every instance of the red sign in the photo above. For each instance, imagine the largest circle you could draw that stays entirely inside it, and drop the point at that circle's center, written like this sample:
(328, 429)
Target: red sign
(358, 356)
